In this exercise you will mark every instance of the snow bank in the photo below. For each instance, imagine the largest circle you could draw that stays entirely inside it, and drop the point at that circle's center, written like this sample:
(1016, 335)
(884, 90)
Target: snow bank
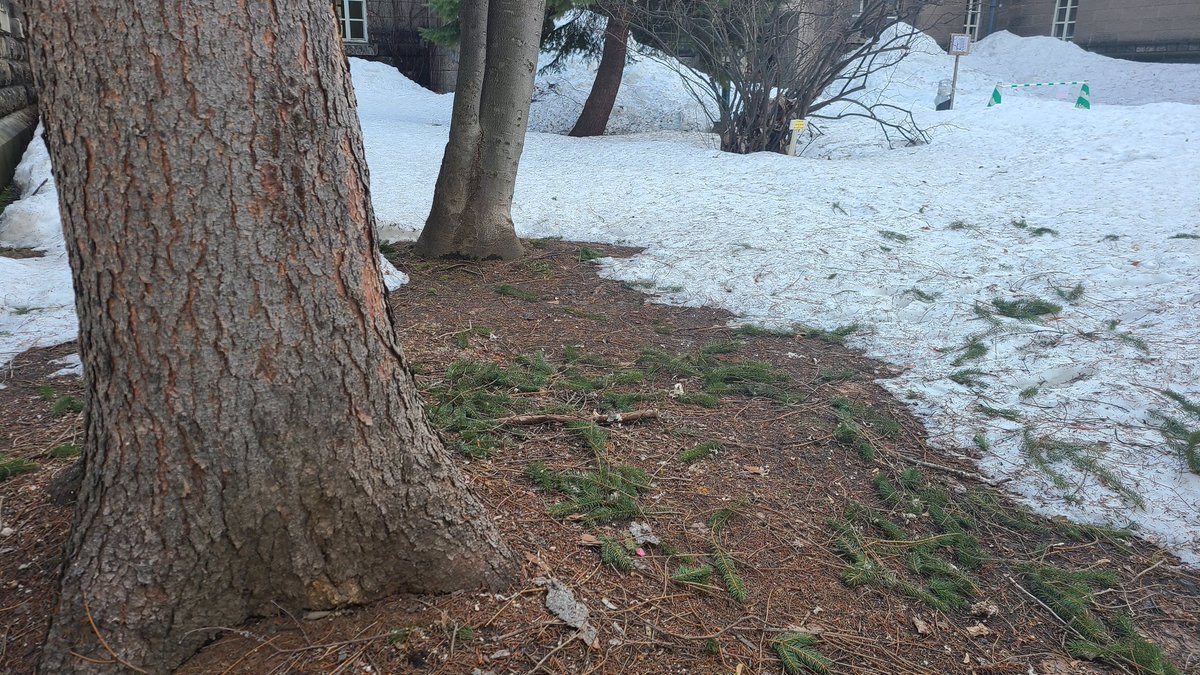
(37, 301)
(907, 242)
(32, 221)
(1113, 81)
(384, 93)
(652, 96)
(912, 84)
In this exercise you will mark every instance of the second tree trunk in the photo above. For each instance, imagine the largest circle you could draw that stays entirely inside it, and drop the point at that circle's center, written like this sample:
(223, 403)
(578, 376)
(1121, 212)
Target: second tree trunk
(593, 120)
(472, 205)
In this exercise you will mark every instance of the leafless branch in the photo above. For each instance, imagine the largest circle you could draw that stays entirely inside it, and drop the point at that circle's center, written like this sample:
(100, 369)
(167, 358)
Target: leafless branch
(757, 64)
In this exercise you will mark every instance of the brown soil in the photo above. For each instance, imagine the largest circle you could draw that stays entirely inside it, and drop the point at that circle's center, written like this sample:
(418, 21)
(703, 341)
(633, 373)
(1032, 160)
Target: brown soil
(780, 467)
(30, 554)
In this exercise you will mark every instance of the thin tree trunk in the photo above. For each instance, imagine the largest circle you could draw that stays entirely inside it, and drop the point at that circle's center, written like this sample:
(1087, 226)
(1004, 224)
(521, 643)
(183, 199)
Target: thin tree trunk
(481, 166)
(593, 119)
(514, 40)
(253, 435)
(460, 162)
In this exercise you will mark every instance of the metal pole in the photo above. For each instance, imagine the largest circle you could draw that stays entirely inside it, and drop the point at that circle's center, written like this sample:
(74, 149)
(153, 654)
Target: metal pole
(954, 81)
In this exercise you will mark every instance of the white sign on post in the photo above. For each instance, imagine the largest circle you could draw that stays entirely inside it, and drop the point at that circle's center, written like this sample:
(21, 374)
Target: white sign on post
(960, 44)
(796, 126)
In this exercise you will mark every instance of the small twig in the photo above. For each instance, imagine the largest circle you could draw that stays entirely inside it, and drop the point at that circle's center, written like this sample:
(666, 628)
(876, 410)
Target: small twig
(954, 472)
(538, 665)
(1065, 624)
(812, 441)
(1033, 597)
(89, 659)
(910, 542)
(342, 643)
(1139, 574)
(294, 620)
(612, 418)
(104, 643)
(694, 637)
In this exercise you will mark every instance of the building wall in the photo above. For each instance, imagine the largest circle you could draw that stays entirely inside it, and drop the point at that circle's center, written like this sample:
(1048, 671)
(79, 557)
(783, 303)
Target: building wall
(941, 20)
(1143, 29)
(1022, 17)
(393, 37)
(18, 101)
(1149, 29)
(1140, 29)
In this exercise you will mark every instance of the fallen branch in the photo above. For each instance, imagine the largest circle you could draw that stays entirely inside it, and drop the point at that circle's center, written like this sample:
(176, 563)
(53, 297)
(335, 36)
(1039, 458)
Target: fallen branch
(954, 472)
(610, 418)
(1066, 624)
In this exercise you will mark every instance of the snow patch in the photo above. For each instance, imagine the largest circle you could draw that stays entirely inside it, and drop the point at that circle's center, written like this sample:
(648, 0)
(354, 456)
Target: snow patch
(1016, 59)
(37, 299)
(392, 277)
(72, 366)
(652, 95)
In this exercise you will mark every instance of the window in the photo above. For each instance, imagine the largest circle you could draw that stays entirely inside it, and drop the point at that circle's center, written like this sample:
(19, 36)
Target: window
(352, 19)
(971, 25)
(1064, 19)
(893, 7)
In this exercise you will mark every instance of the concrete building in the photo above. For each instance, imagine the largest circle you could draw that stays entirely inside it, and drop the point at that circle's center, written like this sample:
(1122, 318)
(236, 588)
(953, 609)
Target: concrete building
(1143, 30)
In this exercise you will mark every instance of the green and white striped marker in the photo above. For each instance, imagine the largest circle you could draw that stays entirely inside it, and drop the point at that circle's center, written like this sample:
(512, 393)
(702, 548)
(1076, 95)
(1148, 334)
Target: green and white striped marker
(1085, 97)
(1082, 101)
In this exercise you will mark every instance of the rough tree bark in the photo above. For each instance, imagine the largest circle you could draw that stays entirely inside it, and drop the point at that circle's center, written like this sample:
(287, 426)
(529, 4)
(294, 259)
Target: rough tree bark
(471, 215)
(253, 434)
(593, 119)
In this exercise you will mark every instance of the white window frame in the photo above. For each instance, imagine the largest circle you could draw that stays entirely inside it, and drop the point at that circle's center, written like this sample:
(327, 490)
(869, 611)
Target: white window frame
(1065, 13)
(345, 23)
(971, 24)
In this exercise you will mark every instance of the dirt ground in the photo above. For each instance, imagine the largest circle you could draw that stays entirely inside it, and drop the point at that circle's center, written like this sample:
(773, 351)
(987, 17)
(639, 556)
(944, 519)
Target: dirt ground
(829, 527)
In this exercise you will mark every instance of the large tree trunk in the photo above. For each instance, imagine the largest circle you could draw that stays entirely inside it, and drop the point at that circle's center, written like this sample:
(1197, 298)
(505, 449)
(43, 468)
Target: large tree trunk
(253, 435)
(593, 119)
(472, 207)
